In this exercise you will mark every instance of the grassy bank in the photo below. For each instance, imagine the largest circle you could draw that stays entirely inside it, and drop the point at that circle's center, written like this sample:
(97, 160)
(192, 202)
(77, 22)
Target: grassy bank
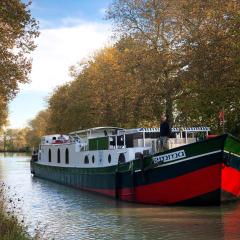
(11, 227)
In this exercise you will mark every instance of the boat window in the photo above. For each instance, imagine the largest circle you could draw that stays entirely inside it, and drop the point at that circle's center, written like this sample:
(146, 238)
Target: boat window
(86, 160)
(112, 142)
(67, 156)
(129, 140)
(93, 159)
(49, 155)
(58, 156)
(152, 135)
(120, 141)
(121, 158)
(109, 158)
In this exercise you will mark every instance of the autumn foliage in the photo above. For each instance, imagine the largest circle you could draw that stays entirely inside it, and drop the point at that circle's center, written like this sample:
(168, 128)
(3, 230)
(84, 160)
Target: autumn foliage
(180, 57)
(177, 57)
(17, 33)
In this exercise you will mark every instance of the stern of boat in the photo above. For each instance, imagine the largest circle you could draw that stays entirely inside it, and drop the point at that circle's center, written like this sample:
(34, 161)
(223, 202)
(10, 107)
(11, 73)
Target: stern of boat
(34, 159)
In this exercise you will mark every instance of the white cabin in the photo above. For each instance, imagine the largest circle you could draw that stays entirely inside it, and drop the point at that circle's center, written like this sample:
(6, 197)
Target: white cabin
(107, 146)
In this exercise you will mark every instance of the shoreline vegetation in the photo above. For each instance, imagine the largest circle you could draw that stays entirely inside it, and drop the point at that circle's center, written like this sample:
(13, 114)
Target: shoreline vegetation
(11, 226)
(16, 151)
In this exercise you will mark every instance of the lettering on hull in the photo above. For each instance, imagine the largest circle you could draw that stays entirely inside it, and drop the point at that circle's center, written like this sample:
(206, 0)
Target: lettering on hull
(169, 157)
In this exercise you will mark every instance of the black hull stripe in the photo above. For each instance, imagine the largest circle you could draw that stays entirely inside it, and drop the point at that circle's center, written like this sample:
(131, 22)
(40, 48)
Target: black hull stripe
(212, 198)
(208, 199)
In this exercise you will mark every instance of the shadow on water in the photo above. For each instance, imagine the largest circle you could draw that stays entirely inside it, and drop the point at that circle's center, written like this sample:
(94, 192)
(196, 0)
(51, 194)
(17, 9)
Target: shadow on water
(69, 213)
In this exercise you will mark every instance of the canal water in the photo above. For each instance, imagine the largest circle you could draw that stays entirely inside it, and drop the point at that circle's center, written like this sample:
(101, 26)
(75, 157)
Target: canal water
(66, 213)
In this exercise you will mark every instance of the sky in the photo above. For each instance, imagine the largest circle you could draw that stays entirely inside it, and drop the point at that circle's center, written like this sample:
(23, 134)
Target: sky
(70, 31)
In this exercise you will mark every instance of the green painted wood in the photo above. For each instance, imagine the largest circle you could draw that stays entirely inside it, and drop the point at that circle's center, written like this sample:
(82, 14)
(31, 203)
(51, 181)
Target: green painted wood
(232, 145)
(101, 143)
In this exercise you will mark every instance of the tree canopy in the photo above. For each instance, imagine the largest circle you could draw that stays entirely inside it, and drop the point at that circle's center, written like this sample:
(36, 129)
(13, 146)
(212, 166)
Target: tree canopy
(195, 45)
(178, 57)
(17, 33)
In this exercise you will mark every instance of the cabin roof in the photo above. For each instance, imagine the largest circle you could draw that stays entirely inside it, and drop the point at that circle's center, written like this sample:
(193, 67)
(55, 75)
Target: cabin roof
(136, 130)
(147, 130)
(96, 129)
(54, 135)
(173, 130)
(196, 129)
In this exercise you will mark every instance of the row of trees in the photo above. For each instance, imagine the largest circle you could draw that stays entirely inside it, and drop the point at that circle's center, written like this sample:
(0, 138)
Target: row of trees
(26, 138)
(180, 57)
(14, 140)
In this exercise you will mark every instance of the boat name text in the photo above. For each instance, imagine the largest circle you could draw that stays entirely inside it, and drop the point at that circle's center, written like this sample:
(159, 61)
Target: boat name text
(169, 157)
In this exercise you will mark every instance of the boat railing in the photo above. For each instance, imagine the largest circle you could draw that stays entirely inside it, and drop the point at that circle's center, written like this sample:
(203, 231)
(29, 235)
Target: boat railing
(177, 142)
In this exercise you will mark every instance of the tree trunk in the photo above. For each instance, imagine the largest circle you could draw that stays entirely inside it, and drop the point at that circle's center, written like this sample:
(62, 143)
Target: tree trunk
(169, 110)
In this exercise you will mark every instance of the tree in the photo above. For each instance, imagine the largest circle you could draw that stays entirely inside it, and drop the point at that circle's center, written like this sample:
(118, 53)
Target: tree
(211, 79)
(181, 57)
(153, 23)
(37, 128)
(17, 33)
(104, 92)
(190, 57)
(14, 140)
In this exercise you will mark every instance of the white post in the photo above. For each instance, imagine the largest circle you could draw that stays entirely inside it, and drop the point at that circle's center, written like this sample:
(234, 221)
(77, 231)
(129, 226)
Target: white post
(143, 139)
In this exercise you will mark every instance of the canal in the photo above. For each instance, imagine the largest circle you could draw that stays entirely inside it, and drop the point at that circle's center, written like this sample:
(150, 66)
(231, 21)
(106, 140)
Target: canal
(70, 214)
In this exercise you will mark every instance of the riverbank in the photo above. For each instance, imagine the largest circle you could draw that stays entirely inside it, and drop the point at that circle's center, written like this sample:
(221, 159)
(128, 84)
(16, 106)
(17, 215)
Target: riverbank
(12, 227)
(15, 151)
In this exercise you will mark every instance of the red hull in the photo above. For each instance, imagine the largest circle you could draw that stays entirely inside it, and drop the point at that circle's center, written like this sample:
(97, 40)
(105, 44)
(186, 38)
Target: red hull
(182, 188)
(176, 190)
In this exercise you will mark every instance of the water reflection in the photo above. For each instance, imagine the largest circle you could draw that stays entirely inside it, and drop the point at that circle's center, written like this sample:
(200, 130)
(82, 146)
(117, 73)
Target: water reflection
(73, 214)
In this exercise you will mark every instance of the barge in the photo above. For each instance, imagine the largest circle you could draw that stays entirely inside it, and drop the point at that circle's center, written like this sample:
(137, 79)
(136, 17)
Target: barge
(129, 164)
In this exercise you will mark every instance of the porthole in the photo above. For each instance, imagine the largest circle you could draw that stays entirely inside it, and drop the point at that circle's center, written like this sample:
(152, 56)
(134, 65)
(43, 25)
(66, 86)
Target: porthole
(86, 160)
(58, 156)
(109, 158)
(121, 158)
(93, 159)
(67, 156)
(49, 155)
